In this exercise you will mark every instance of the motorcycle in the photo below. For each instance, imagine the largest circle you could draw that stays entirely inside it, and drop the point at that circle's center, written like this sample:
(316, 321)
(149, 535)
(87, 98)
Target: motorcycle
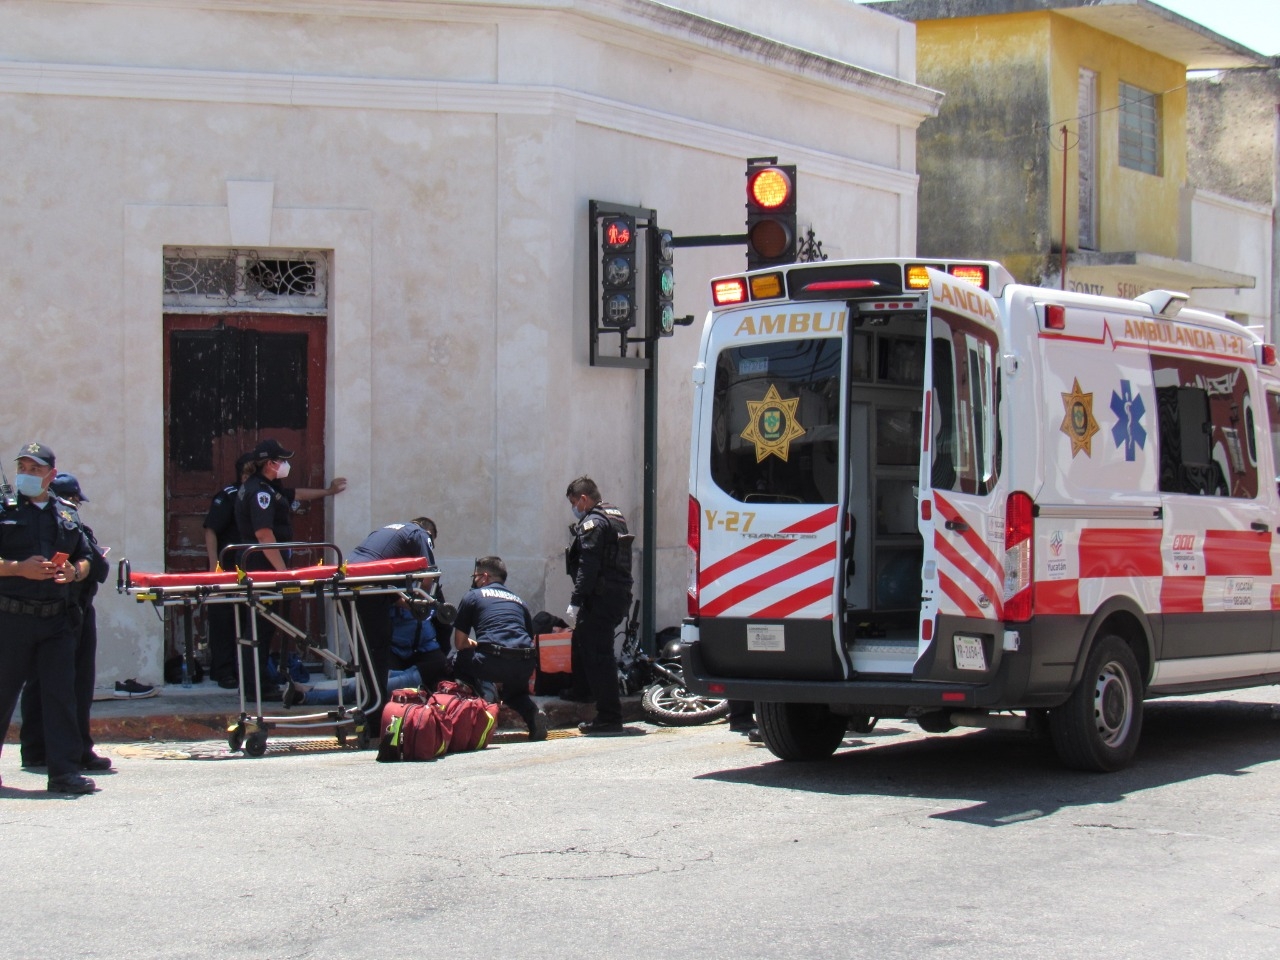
(665, 700)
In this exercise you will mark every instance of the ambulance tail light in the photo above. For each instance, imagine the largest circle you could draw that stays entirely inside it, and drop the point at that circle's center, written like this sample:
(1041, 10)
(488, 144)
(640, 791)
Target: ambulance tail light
(695, 552)
(766, 286)
(974, 273)
(918, 275)
(730, 291)
(1019, 529)
(1267, 354)
(1055, 316)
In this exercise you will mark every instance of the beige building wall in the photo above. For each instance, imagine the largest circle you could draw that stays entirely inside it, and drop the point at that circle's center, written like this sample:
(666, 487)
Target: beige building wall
(441, 156)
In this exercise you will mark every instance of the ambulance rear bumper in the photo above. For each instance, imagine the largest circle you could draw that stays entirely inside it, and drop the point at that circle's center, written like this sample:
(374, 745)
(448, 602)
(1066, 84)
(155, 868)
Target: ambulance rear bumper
(1014, 683)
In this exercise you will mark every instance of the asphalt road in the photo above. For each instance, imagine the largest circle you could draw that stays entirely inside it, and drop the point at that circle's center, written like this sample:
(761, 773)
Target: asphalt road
(666, 843)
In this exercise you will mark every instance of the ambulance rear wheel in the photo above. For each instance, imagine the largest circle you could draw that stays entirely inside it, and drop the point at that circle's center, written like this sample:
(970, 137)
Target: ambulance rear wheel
(800, 731)
(1098, 727)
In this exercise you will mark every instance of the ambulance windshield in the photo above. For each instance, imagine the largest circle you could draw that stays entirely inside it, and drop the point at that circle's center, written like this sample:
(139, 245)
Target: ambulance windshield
(775, 431)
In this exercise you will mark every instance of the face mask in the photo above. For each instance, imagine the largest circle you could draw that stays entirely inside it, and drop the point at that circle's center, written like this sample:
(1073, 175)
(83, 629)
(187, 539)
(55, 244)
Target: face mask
(577, 513)
(28, 484)
(283, 470)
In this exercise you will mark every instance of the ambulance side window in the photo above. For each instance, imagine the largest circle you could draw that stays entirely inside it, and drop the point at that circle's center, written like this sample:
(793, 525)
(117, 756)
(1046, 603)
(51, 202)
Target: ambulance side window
(1205, 430)
(965, 454)
(775, 434)
(1273, 423)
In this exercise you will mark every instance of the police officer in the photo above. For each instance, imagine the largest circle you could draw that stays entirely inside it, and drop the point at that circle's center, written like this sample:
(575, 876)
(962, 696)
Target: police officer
(502, 651)
(599, 561)
(264, 515)
(36, 631)
(220, 531)
(85, 626)
(387, 543)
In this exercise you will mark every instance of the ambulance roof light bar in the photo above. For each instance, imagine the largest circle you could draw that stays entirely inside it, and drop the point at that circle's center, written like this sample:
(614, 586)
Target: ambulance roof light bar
(1166, 304)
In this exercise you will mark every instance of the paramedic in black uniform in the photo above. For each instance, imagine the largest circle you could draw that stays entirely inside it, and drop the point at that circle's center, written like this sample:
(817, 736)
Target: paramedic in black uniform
(37, 631)
(599, 561)
(264, 514)
(391, 542)
(220, 531)
(502, 651)
(85, 626)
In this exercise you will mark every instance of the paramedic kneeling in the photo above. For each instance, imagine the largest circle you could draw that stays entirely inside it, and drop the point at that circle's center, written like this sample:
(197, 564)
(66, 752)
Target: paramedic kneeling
(503, 651)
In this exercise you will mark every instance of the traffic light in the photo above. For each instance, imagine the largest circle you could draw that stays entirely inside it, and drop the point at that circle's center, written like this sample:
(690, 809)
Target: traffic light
(618, 271)
(662, 282)
(771, 213)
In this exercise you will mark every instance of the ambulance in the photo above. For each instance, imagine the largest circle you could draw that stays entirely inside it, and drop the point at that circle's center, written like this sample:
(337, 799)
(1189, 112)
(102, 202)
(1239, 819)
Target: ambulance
(923, 491)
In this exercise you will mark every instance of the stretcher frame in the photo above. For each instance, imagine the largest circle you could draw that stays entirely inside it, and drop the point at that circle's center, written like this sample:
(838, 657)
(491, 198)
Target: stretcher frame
(256, 590)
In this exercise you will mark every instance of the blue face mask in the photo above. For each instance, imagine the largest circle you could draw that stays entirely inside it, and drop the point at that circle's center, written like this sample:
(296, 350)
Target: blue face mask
(578, 514)
(28, 484)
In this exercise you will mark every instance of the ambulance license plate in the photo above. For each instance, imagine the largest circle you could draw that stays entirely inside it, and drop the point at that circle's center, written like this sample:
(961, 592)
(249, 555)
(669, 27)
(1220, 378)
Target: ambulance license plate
(969, 655)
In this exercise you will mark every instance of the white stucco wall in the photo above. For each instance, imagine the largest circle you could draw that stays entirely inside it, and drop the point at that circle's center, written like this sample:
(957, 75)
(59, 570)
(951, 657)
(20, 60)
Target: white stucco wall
(1231, 235)
(442, 154)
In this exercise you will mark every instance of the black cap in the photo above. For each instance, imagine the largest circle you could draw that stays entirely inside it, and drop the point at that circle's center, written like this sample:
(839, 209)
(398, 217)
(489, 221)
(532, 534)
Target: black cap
(243, 461)
(38, 452)
(271, 450)
(66, 485)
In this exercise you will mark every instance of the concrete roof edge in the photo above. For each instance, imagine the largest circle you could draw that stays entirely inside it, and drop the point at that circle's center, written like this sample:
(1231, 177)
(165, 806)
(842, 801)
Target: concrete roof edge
(1088, 11)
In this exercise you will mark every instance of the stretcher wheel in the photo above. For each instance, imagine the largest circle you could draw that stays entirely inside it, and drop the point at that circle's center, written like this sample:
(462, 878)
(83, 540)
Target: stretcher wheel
(362, 737)
(235, 736)
(342, 736)
(255, 745)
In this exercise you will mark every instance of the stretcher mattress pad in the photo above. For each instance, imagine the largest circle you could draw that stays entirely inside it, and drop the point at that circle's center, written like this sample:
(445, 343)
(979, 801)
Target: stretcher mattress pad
(203, 578)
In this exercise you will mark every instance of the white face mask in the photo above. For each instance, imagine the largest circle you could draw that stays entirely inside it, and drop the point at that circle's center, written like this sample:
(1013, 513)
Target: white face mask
(282, 471)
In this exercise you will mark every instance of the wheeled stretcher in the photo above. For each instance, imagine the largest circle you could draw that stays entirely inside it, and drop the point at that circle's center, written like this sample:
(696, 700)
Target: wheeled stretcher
(257, 591)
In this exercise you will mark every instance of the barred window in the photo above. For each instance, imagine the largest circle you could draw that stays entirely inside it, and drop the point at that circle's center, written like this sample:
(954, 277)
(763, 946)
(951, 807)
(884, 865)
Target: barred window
(294, 281)
(1139, 129)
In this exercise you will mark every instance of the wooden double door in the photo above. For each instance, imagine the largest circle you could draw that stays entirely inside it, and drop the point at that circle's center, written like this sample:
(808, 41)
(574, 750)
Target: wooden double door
(231, 380)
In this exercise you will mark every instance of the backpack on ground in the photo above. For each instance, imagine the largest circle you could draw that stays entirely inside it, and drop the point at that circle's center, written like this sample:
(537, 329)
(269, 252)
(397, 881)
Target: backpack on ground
(471, 718)
(413, 727)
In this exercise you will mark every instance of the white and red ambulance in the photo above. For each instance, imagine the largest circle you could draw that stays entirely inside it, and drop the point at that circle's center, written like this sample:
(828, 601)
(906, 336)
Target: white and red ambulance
(924, 491)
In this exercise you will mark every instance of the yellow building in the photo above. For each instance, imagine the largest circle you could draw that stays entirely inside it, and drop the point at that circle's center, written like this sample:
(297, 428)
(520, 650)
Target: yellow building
(1063, 128)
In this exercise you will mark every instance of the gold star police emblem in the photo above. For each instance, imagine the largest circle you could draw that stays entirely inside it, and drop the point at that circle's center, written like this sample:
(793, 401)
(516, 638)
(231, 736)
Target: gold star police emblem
(1078, 422)
(772, 425)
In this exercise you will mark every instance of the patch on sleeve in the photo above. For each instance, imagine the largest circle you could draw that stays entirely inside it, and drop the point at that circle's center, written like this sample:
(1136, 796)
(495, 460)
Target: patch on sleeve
(264, 499)
(590, 523)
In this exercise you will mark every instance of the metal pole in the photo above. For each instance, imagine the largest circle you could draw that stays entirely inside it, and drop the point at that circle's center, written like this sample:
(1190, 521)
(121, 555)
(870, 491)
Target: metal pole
(648, 589)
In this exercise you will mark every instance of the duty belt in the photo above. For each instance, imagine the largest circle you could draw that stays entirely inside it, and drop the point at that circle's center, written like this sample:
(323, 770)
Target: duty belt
(506, 653)
(44, 609)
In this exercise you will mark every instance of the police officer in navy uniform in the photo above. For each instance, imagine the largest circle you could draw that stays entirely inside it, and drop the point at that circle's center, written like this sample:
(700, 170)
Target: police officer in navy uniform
(264, 515)
(85, 625)
(391, 542)
(599, 561)
(37, 635)
(502, 651)
(220, 531)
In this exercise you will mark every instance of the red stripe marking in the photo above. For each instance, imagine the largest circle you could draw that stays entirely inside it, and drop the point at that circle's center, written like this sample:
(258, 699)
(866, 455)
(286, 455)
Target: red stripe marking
(1057, 596)
(1237, 553)
(798, 601)
(972, 538)
(1120, 552)
(983, 583)
(745, 591)
(1182, 595)
(762, 548)
(958, 596)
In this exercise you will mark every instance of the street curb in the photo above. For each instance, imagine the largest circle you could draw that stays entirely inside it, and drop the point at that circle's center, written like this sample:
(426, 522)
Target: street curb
(197, 724)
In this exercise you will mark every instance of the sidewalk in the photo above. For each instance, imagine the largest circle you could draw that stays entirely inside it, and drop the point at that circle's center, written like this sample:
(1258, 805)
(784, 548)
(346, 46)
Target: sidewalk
(203, 711)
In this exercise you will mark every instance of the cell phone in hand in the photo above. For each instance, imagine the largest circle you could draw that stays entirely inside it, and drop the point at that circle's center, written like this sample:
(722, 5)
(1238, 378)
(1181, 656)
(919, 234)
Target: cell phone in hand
(59, 559)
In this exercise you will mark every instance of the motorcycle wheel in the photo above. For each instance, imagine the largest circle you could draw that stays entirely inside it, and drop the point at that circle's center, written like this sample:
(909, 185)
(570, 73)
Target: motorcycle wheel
(673, 706)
